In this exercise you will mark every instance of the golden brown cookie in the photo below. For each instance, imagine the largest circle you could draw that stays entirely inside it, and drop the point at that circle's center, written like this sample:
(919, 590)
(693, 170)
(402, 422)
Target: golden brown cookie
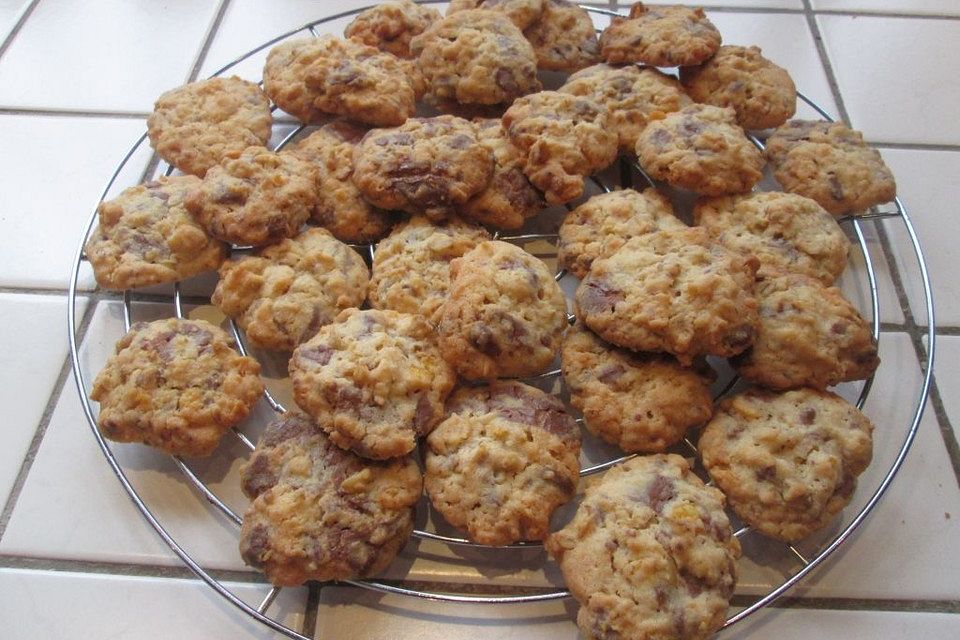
(254, 198)
(787, 462)
(319, 512)
(284, 293)
(475, 57)
(374, 380)
(809, 335)
(195, 126)
(311, 78)
(509, 199)
(522, 13)
(830, 163)
(786, 232)
(504, 458)
(563, 37)
(674, 291)
(603, 223)
(145, 236)
(661, 36)
(762, 93)
(702, 149)
(637, 401)
(650, 554)
(428, 165)
(563, 138)
(176, 385)
(390, 26)
(411, 266)
(340, 207)
(504, 316)
(633, 96)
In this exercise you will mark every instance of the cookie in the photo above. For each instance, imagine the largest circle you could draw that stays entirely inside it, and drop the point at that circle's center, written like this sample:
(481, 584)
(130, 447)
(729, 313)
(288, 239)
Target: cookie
(411, 266)
(505, 456)
(563, 37)
(602, 224)
(563, 138)
(176, 385)
(661, 36)
(522, 13)
(319, 512)
(650, 554)
(673, 291)
(787, 462)
(255, 198)
(391, 25)
(374, 380)
(632, 95)
(786, 232)
(428, 165)
(145, 236)
(195, 126)
(312, 78)
(702, 149)
(284, 293)
(509, 199)
(504, 316)
(762, 93)
(809, 335)
(340, 207)
(637, 401)
(475, 57)
(830, 163)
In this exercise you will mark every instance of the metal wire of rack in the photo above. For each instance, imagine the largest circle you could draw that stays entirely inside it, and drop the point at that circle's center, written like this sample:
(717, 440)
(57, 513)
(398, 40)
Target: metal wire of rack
(627, 170)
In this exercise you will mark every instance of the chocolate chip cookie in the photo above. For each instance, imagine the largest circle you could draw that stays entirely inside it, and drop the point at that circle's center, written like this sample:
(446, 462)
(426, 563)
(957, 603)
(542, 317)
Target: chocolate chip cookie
(391, 26)
(145, 236)
(674, 291)
(787, 462)
(319, 512)
(563, 37)
(650, 554)
(661, 36)
(505, 456)
(176, 385)
(522, 13)
(195, 126)
(504, 316)
(374, 380)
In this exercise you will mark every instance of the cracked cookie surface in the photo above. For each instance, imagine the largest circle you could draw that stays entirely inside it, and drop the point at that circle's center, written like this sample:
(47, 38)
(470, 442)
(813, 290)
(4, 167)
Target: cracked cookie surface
(661, 36)
(563, 37)
(522, 13)
(390, 26)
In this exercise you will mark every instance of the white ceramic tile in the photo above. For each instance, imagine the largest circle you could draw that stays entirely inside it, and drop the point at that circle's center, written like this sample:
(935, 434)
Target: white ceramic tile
(926, 182)
(42, 605)
(114, 55)
(948, 376)
(10, 12)
(29, 324)
(747, 4)
(803, 624)
(54, 179)
(890, 72)
(918, 7)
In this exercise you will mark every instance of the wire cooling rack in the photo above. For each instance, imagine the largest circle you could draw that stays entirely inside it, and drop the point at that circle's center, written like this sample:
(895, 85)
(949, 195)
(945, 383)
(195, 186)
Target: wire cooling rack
(629, 175)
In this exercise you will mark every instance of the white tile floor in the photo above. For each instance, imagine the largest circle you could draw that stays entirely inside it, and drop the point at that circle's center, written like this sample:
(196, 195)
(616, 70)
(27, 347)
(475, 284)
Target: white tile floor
(71, 508)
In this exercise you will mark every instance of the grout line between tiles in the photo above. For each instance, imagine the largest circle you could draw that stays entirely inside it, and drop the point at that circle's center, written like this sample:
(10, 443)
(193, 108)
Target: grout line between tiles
(26, 12)
(208, 40)
(916, 146)
(311, 610)
(73, 113)
(885, 14)
(868, 604)
(948, 331)
(125, 569)
(44, 422)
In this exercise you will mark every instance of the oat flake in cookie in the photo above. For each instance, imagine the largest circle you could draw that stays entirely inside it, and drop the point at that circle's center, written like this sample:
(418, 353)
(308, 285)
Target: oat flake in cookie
(145, 236)
(661, 36)
(284, 293)
(522, 13)
(391, 25)
(319, 512)
(787, 462)
(563, 37)
(650, 554)
(637, 401)
(505, 456)
(809, 335)
(673, 291)
(195, 126)
(428, 165)
(255, 198)
(505, 314)
(176, 385)
(374, 380)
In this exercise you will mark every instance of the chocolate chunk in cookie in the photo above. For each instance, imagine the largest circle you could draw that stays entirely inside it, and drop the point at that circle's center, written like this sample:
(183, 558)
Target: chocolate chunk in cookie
(563, 37)
(661, 36)
(391, 26)
(522, 13)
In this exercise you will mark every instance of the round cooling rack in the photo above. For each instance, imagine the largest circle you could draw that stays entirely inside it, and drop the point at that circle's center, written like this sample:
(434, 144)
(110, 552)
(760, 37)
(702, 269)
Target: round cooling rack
(625, 174)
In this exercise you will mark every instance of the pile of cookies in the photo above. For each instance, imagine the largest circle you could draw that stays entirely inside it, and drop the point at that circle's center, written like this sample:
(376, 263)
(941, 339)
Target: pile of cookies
(422, 349)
